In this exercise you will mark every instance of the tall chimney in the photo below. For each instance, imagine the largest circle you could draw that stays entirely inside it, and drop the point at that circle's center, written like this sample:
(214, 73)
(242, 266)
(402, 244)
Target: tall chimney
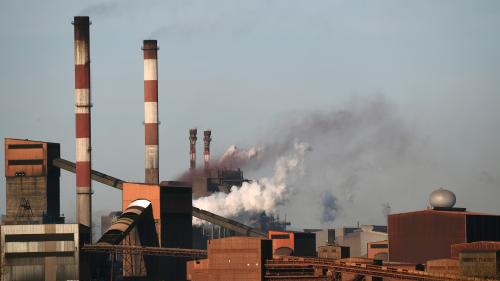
(206, 152)
(82, 112)
(192, 148)
(150, 49)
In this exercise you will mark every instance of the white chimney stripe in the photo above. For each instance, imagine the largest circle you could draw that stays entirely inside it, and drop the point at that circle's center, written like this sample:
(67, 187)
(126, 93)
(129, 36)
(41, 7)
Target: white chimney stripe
(82, 100)
(150, 112)
(81, 52)
(150, 69)
(82, 150)
(151, 156)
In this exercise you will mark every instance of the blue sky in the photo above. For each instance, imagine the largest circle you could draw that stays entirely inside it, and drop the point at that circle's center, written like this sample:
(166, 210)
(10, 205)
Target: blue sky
(238, 67)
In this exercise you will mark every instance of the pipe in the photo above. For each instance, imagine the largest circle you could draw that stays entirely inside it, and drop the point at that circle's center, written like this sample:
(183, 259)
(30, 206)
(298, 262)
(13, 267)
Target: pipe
(206, 153)
(192, 148)
(82, 113)
(150, 49)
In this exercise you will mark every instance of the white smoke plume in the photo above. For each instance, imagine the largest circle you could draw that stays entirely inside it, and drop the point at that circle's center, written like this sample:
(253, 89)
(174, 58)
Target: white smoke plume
(264, 195)
(234, 157)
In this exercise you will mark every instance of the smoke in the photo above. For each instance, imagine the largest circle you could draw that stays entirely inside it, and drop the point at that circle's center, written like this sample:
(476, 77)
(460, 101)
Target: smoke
(264, 195)
(330, 208)
(354, 146)
(386, 209)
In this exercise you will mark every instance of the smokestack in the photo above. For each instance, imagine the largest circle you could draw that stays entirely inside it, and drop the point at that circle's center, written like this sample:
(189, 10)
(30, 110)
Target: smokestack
(82, 112)
(151, 110)
(192, 148)
(206, 153)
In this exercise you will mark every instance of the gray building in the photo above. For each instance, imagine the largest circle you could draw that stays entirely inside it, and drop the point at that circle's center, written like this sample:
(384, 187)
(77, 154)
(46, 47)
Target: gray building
(41, 251)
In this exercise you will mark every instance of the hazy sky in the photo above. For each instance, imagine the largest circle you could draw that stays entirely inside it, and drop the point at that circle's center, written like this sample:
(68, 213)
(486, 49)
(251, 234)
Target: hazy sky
(243, 68)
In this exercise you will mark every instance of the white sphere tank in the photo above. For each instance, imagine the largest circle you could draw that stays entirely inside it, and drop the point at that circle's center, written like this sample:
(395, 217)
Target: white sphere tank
(442, 198)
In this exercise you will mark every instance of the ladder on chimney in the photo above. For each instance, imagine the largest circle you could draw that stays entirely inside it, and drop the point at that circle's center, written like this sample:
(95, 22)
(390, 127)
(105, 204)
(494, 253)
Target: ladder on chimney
(24, 211)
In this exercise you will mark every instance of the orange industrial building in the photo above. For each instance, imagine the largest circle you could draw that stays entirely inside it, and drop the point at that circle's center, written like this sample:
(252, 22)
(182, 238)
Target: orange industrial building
(232, 258)
(293, 243)
(378, 250)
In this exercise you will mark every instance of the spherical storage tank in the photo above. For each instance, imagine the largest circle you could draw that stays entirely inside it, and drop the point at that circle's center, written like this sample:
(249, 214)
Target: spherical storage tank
(442, 198)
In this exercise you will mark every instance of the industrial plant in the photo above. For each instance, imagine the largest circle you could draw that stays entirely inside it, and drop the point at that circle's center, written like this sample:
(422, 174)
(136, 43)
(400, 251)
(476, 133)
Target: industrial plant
(153, 236)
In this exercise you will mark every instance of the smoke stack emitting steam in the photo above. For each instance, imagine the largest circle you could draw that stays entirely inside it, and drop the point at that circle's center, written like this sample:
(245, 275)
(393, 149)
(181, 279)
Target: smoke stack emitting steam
(206, 152)
(82, 113)
(151, 110)
(192, 148)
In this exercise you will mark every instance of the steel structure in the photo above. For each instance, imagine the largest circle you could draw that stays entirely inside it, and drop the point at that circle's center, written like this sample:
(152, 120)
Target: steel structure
(145, 251)
(298, 268)
(82, 116)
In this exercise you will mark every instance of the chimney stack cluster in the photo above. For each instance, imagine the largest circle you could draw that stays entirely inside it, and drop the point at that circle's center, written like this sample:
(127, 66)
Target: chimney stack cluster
(207, 138)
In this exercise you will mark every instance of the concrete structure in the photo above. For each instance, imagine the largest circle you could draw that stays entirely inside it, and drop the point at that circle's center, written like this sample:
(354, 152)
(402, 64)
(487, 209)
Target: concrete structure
(232, 258)
(480, 246)
(42, 252)
(151, 110)
(192, 148)
(427, 235)
(82, 113)
(32, 182)
(323, 236)
(378, 250)
(206, 148)
(333, 252)
(293, 243)
(358, 239)
(483, 264)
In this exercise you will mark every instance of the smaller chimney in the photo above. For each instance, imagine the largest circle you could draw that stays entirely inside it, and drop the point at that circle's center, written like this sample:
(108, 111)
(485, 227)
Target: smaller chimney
(192, 148)
(206, 153)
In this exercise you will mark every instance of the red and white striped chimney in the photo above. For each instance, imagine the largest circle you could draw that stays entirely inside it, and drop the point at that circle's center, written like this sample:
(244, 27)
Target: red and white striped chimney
(206, 152)
(82, 110)
(192, 148)
(151, 110)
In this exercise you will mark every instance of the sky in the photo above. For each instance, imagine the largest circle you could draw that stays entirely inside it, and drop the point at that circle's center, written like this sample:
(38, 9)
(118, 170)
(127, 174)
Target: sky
(251, 70)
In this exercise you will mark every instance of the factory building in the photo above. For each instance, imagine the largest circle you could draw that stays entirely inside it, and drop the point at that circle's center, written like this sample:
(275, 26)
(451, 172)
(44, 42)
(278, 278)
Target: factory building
(232, 258)
(429, 234)
(293, 243)
(333, 252)
(42, 252)
(378, 250)
(358, 239)
(32, 182)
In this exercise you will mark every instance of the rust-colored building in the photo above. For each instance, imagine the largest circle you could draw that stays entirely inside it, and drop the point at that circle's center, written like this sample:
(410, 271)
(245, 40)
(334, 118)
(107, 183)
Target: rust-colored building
(232, 258)
(420, 236)
(293, 243)
(378, 250)
(474, 246)
(32, 182)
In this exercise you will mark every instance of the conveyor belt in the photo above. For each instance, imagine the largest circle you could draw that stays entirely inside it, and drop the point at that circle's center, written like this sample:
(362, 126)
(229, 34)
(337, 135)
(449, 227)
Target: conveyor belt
(198, 213)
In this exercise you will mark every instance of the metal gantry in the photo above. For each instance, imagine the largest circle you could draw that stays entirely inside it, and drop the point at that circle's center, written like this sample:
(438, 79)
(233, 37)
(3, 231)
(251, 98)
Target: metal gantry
(146, 251)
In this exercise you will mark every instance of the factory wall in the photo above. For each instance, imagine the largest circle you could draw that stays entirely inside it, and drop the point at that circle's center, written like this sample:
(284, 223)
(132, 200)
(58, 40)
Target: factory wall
(32, 182)
(333, 252)
(42, 252)
(429, 234)
(424, 235)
